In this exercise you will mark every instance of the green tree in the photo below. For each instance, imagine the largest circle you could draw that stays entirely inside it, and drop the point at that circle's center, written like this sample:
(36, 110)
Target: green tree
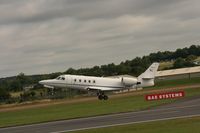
(70, 71)
(191, 58)
(15, 85)
(22, 80)
(179, 63)
(4, 94)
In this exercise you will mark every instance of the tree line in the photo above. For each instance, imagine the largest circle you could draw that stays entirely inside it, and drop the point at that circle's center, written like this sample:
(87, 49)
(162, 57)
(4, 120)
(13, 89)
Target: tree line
(181, 57)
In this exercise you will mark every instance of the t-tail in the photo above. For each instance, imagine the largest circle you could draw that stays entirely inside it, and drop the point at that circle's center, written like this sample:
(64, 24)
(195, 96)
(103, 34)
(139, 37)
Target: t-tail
(147, 78)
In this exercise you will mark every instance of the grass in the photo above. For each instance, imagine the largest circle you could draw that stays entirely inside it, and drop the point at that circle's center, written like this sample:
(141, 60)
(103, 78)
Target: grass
(15, 94)
(91, 108)
(176, 82)
(81, 109)
(67, 111)
(186, 125)
(198, 59)
(166, 64)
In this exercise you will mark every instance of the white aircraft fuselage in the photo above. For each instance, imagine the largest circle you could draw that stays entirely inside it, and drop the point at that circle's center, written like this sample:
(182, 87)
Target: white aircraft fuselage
(103, 84)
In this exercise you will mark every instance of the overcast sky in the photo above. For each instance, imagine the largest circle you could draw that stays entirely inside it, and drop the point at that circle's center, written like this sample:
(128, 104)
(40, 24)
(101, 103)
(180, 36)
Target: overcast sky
(44, 36)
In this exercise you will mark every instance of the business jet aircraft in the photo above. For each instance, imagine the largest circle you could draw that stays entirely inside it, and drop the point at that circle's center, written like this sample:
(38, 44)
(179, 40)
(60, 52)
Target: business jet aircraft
(103, 84)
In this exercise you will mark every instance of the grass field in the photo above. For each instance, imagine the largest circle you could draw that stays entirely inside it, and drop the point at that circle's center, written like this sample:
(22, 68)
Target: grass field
(186, 125)
(126, 103)
(67, 111)
(166, 64)
(198, 59)
(177, 82)
(81, 109)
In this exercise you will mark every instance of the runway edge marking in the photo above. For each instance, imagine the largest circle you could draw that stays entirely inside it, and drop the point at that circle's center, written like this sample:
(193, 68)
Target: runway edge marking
(100, 116)
(128, 123)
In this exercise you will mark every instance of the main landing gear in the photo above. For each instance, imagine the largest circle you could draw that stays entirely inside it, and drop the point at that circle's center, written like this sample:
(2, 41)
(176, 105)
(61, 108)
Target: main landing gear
(102, 96)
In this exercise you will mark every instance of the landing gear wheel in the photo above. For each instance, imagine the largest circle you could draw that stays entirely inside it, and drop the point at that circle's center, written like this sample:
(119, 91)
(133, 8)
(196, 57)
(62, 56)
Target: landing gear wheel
(100, 97)
(105, 97)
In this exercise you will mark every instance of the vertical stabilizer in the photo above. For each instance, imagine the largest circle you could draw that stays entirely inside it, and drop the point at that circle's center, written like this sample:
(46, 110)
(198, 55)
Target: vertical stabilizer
(147, 78)
(150, 72)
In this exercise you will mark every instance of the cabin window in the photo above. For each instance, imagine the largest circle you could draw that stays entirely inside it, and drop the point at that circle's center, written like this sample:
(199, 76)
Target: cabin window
(94, 81)
(89, 81)
(58, 78)
(85, 81)
(79, 80)
(74, 80)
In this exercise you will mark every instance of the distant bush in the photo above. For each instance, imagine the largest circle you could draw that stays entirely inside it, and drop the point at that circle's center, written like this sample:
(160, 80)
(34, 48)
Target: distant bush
(4, 94)
(181, 63)
(25, 96)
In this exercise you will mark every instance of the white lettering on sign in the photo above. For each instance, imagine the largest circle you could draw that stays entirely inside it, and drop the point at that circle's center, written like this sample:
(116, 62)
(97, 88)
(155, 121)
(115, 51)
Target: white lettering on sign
(167, 95)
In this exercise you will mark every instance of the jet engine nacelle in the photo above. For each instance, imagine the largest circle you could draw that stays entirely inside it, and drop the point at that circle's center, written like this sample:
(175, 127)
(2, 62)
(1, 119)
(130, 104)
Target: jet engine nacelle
(129, 81)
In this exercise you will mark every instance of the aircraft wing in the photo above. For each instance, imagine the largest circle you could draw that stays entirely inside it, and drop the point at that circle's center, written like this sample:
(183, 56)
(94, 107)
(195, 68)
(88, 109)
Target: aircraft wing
(47, 86)
(96, 88)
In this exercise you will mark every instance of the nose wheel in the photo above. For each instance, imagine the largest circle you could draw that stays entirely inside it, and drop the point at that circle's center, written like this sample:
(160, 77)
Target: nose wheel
(102, 96)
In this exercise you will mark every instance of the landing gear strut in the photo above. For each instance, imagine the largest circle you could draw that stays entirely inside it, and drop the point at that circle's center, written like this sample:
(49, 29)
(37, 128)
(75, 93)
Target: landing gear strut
(102, 96)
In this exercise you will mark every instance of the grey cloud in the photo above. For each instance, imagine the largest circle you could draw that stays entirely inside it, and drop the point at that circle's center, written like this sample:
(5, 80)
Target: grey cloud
(52, 35)
(45, 10)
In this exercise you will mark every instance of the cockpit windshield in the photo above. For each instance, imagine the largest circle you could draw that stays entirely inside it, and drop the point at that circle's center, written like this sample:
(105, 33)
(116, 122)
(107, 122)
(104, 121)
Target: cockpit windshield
(60, 78)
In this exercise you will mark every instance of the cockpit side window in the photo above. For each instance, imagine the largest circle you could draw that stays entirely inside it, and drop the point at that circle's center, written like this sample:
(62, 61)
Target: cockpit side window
(60, 78)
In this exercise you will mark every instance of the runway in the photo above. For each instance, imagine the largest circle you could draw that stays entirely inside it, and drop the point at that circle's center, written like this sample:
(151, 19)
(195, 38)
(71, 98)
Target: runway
(179, 109)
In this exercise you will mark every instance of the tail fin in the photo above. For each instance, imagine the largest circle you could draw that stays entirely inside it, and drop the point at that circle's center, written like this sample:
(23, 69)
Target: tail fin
(147, 78)
(150, 72)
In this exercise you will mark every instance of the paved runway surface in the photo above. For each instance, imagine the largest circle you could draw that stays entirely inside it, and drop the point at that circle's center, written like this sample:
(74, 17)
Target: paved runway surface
(180, 109)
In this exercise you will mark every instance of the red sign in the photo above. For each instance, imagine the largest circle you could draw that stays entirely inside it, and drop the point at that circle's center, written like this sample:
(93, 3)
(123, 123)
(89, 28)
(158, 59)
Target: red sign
(168, 95)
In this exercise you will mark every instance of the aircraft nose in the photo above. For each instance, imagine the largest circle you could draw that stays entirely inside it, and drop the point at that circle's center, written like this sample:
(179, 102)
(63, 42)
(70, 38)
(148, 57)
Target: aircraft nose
(42, 82)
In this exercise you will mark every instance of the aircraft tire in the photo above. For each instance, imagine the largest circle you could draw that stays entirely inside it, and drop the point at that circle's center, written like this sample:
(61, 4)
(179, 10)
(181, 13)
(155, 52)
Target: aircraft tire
(105, 97)
(100, 97)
